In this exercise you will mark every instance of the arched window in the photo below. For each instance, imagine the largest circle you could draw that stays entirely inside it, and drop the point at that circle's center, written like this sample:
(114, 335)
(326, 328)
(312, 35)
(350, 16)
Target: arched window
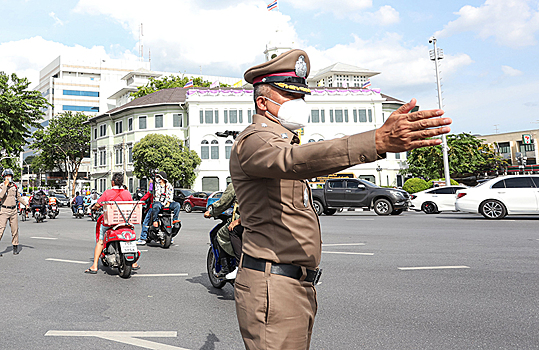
(228, 148)
(311, 140)
(214, 149)
(204, 150)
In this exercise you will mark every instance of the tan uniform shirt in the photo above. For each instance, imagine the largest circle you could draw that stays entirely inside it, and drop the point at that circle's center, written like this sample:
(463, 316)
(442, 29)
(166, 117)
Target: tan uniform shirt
(268, 168)
(9, 195)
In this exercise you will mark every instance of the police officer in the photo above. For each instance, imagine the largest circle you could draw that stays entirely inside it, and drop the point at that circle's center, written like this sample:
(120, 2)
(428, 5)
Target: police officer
(9, 195)
(274, 289)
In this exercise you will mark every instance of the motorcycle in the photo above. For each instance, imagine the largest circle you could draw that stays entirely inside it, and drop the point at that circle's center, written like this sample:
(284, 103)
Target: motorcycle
(96, 213)
(79, 212)
(165, 231)
(23, 212)
(53, 211)
(39, 215)
(213, 261)
(120, 248)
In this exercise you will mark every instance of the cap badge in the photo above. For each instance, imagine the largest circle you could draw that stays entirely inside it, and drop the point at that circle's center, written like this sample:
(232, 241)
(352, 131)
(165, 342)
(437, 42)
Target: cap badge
(284, 135)
(301, 67)
(264, 125)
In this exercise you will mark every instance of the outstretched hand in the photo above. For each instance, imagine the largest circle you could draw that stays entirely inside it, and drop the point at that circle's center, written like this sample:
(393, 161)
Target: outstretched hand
(405, 131)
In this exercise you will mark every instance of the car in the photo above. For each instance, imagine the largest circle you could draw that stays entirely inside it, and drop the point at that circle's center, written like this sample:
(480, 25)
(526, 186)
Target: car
(181, 193)
(196, 201)
(504, 195)
(62, 199)
(435, 200)
(214, 197)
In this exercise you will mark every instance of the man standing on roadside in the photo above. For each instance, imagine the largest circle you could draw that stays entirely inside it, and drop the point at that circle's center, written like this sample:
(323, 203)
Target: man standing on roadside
(9, 195)
(275, 286)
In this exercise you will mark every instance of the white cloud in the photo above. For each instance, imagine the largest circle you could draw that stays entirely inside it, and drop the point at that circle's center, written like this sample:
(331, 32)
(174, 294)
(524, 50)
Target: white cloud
(27, 57)
(57, 21)
(510, 71)
(513, 23)
(341, 9)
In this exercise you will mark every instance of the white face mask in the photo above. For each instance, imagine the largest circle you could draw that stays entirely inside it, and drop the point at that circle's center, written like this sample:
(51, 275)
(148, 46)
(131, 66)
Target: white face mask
(293, 114)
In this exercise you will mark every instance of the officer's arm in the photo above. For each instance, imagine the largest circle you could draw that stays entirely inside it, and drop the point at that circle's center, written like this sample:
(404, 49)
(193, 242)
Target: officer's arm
(223, 203)
(3, 191)
(265, 155)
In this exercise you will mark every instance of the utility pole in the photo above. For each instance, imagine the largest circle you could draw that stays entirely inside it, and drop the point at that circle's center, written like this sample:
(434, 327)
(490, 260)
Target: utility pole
(436, 55)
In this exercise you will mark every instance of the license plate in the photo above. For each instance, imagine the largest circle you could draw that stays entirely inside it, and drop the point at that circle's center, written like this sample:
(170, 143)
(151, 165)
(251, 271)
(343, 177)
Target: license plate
(128, 247)
(54, 207)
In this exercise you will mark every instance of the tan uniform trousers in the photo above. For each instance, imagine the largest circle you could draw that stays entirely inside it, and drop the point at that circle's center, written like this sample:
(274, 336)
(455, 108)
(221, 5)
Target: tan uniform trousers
(274, 312)
(11, 215)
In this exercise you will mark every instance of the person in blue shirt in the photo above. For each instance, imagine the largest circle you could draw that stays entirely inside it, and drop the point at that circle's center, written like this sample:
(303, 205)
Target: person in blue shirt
(77, 201)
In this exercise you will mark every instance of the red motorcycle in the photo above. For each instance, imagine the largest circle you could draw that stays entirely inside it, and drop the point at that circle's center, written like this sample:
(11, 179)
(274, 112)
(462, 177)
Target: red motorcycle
(120, 248)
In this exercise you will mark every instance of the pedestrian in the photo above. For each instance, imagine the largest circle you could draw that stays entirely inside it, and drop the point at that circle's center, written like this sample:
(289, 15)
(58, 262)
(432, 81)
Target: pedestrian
(9, 195)
(275, 285)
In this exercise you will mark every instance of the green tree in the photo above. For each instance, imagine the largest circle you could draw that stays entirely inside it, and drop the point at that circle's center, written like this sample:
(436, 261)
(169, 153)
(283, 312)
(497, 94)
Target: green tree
(165, 153)
(20, 110)
(63, 144)
(414, 185)
(467, 156)
(169, 82)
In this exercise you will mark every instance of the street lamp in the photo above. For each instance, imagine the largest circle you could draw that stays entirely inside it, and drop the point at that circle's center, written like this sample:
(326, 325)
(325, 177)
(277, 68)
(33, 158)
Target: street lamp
(379, 170)
(435, 55)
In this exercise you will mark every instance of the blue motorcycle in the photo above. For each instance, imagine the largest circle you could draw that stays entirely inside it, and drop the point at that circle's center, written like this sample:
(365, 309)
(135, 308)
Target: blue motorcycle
(213, 262)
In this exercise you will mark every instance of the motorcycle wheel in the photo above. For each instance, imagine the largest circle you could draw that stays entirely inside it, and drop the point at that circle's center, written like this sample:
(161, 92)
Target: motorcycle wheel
(124, 269)
(23, 217)
(165, 243)
(210, 263)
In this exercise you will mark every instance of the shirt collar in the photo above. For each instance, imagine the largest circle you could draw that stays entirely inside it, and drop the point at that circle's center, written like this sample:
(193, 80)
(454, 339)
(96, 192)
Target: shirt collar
(275, 128)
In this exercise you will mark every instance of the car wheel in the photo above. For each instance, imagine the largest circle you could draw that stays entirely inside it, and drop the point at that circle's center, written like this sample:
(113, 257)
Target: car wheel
(492, 209)
(187, 207)
(429, 208)
(318, 207)
(383, 207)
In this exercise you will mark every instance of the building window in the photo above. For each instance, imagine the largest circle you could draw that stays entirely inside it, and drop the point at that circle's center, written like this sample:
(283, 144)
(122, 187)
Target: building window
(201, 116)
(80, 108)
(228, 148)
(130, 187)
(226, 116)
(338, 116)
(95, 159)
(130, 154)
(118, 158)
(130, 124)
(315, 116)
(331, 115)
(216, 115)
(208, 117)
(241, 116)
(311, 140)
(370, 115)
(95, 133)
(102, 130)
(249, 116)
(504, 147)
(323, 115)
(102, 185)
(346, 115)
(81, 93)
(397, 156)
(210, 183)
(214, 149)
(526, 147)
(119, 127)
(355, 115)
(205, 150)
(233, 116)
(103, 157)
(362, 115)
(158, 120)
(177, 120)
(142, 122)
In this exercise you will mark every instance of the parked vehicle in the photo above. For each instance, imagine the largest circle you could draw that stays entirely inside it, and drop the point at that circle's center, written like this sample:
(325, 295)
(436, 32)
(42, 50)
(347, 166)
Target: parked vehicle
(120, 248)
(196, 201)
(180, 194)
(496, 198)
(358, 193)
(435, 200)
(165, 230)
(214, 197)
(213, 260)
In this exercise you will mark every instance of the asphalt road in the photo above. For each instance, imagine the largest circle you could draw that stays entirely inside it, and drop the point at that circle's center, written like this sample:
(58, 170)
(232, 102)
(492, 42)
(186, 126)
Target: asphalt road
(414, 281)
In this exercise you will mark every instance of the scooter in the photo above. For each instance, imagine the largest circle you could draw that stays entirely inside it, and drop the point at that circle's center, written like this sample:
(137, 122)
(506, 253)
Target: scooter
(79, 212)
(23, 212)
(165, 231)
(96, 213)
(120, 248)
(213, 261)
(39, 215)
(53, 211)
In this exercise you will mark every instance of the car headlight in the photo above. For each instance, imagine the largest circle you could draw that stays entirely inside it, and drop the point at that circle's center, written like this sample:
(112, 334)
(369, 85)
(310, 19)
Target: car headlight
(398, 194)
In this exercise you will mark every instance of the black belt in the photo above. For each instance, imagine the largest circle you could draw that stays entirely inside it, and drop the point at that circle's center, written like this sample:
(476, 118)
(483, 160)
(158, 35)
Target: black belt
(13, 207)
(287, 270)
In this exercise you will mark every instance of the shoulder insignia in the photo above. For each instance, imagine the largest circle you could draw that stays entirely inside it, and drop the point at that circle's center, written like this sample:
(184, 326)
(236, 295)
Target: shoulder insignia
(264, 125)
(284, 135)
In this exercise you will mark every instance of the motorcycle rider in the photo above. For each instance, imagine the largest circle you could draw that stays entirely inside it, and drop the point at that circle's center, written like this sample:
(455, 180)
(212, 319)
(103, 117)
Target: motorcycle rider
(228, 236)
(147, 213)
(164, 193)
(39, 200)
(77, 201)
(116, 193)
(9, 195)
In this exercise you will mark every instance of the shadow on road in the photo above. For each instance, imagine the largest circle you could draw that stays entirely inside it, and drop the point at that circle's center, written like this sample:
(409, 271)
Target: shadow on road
(21, 248)
(226, 293)
(211, 339)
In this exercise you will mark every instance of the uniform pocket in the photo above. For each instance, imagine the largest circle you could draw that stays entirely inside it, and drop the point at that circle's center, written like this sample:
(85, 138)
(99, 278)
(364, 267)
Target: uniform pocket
(301, 196)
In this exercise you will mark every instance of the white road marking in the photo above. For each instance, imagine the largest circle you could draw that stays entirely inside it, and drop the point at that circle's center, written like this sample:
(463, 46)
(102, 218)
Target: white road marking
(143, 250)
(130, 338)
(68, 261)
(347, 253)
(432, 267)
(161, 275)
(339, 244)
(52, 238)
(359, 219)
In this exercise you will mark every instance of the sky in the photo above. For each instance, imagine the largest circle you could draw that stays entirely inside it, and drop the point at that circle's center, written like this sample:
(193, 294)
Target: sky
(489, 72)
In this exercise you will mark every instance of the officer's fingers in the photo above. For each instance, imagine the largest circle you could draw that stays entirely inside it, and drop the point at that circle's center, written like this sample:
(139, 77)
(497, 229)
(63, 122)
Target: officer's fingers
(425, 143)
(426, 114)
(423, 134)
(405, 108)
(429, 123)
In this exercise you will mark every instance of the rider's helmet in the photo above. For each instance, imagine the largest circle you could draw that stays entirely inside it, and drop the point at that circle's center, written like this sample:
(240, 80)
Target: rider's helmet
(7, 172)
(161, 175)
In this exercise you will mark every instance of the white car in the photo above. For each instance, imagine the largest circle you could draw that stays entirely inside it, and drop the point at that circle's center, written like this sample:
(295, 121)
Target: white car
(435, 200)
(494, 199)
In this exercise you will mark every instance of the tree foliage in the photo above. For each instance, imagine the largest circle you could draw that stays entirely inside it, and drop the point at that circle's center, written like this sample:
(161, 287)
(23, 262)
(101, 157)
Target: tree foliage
(414, 185)
(20, 110)
(467, 156)
(169, 82)
(165, 153)
(63, 144)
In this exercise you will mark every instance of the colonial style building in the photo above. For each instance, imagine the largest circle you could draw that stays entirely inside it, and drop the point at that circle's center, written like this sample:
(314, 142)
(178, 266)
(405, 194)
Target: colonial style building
(519, 148)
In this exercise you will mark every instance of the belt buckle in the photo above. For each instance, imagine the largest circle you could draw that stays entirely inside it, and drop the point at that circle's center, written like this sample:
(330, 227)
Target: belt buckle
(317, 276)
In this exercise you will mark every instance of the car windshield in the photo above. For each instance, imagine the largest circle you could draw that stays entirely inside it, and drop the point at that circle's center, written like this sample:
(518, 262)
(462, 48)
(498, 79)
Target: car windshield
(368, 183)
(61, 196)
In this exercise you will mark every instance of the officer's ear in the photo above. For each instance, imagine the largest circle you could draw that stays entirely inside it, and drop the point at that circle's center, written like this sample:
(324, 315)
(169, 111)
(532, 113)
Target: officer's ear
(261, 103)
